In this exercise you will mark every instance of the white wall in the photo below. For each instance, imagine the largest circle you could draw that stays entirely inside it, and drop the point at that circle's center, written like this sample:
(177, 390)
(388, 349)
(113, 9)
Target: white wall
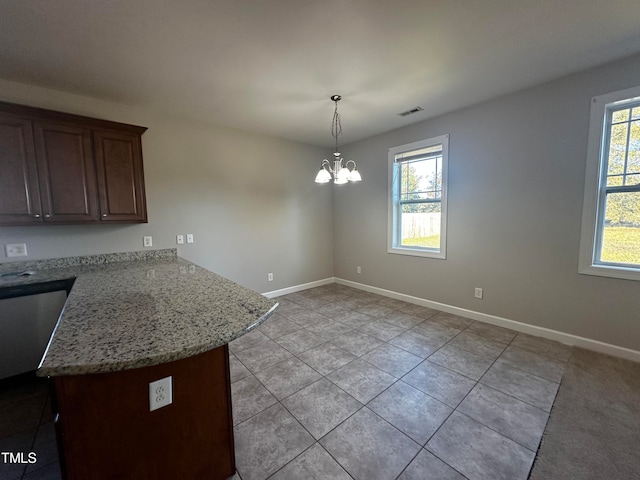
(249, 199)
(516, 179)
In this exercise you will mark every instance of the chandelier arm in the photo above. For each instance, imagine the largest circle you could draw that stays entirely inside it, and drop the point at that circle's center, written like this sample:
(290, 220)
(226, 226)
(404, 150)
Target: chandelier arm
(327, 165)
(350, 161)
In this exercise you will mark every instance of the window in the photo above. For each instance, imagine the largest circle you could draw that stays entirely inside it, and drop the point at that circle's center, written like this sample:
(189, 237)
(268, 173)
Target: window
(418, 198)
(610, 242)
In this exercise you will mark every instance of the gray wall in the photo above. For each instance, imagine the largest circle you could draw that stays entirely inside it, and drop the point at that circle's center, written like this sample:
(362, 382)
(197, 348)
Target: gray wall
(516, 183)
(249, 199)
(515, 201)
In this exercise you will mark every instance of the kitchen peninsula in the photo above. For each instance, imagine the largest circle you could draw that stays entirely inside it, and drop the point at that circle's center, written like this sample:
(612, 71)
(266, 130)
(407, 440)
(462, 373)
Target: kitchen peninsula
(130, 320)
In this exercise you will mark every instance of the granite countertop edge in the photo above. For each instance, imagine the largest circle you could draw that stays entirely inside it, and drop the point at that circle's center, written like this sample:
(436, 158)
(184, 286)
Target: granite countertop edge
(116, 366)
(139, 309)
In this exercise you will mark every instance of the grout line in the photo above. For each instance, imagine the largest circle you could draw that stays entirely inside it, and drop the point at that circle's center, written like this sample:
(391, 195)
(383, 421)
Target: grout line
(452, 468)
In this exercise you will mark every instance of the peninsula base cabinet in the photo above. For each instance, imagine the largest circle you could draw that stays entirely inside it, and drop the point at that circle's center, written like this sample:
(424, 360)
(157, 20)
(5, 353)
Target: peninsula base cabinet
(105, 428)
(67, 169)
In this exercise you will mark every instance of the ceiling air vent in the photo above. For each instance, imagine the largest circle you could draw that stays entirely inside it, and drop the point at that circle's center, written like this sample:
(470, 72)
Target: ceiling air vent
(412, 111)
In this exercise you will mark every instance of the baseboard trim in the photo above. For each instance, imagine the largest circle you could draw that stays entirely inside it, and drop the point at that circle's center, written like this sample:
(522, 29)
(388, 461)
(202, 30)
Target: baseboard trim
(299, 288)
(566, 338)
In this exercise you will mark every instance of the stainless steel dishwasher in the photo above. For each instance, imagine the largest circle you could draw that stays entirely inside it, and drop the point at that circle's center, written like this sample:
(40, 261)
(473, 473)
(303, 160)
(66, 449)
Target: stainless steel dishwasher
(26, 324)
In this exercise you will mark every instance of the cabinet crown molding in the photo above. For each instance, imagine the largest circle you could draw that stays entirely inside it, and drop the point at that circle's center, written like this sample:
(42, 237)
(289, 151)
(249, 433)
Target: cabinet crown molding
(38, 113)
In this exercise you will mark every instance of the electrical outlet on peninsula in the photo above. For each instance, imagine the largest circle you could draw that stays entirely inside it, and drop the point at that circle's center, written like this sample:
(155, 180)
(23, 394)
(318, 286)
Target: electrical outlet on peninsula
(160, 393)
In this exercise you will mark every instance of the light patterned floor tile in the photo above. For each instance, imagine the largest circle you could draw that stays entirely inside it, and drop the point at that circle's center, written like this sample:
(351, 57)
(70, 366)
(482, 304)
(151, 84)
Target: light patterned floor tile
(315, 463)
(321, 406)
(267, 442)
(361, 380)
(411, 411)
(478, 452)
(368, 448)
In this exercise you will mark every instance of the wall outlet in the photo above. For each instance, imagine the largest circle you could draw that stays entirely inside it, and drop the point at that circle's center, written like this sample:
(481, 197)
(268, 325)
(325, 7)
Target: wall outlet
(358, 269)
(180, 239)
(147, 241)
(189, 237)
(270, 277)
(16, 249)
(478, 293)
(160, 393)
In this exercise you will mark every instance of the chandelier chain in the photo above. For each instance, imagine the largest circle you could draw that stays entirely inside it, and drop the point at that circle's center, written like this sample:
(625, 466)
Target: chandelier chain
(336, 125)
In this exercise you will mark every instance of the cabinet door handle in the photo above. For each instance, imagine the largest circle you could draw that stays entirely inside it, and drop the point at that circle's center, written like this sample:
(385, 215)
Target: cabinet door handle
(47, 216)
(37, 215)
(104, 214)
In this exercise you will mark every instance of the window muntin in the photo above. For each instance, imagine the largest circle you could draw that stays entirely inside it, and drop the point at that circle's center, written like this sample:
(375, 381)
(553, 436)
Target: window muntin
(417, 210)
(610, 244)
(623, 144)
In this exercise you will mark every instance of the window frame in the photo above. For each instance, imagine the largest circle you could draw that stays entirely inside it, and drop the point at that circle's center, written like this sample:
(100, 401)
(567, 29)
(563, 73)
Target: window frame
(595, 187)
(393, 203)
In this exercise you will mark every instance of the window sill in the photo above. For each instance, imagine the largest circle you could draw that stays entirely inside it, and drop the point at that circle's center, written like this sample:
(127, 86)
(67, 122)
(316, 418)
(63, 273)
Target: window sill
(417, 252)
(626, 273)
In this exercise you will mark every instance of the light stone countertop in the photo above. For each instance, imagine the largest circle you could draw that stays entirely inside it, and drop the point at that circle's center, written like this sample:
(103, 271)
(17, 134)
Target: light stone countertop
(142, 312)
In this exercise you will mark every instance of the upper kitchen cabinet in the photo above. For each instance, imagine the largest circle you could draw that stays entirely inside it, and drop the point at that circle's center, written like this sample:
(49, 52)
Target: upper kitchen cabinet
(120, 177)
(67, 169)
(66, 173)
(19, 190)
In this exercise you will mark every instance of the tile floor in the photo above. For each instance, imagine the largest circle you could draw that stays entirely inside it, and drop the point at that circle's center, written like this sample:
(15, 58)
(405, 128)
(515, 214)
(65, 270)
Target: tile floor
(345, 384)
(342, 383)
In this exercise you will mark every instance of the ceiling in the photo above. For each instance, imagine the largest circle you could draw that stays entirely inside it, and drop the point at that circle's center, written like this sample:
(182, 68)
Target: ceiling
(269, 66)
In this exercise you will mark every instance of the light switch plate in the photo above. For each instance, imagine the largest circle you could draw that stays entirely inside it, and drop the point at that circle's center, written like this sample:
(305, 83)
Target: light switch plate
(180, 239)
(160, 393)
(147, 241)
(189, 237)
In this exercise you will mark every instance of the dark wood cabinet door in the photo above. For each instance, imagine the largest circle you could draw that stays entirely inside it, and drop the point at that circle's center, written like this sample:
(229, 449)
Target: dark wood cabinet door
(19, 194)
(66, 173)
(120, 176)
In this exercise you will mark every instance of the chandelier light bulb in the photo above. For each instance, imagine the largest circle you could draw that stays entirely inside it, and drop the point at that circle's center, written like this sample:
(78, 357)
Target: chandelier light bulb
(323, 176)
(343, 176)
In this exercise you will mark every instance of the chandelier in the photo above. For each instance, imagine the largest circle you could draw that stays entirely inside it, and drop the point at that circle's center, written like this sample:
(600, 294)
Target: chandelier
(341, 173)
